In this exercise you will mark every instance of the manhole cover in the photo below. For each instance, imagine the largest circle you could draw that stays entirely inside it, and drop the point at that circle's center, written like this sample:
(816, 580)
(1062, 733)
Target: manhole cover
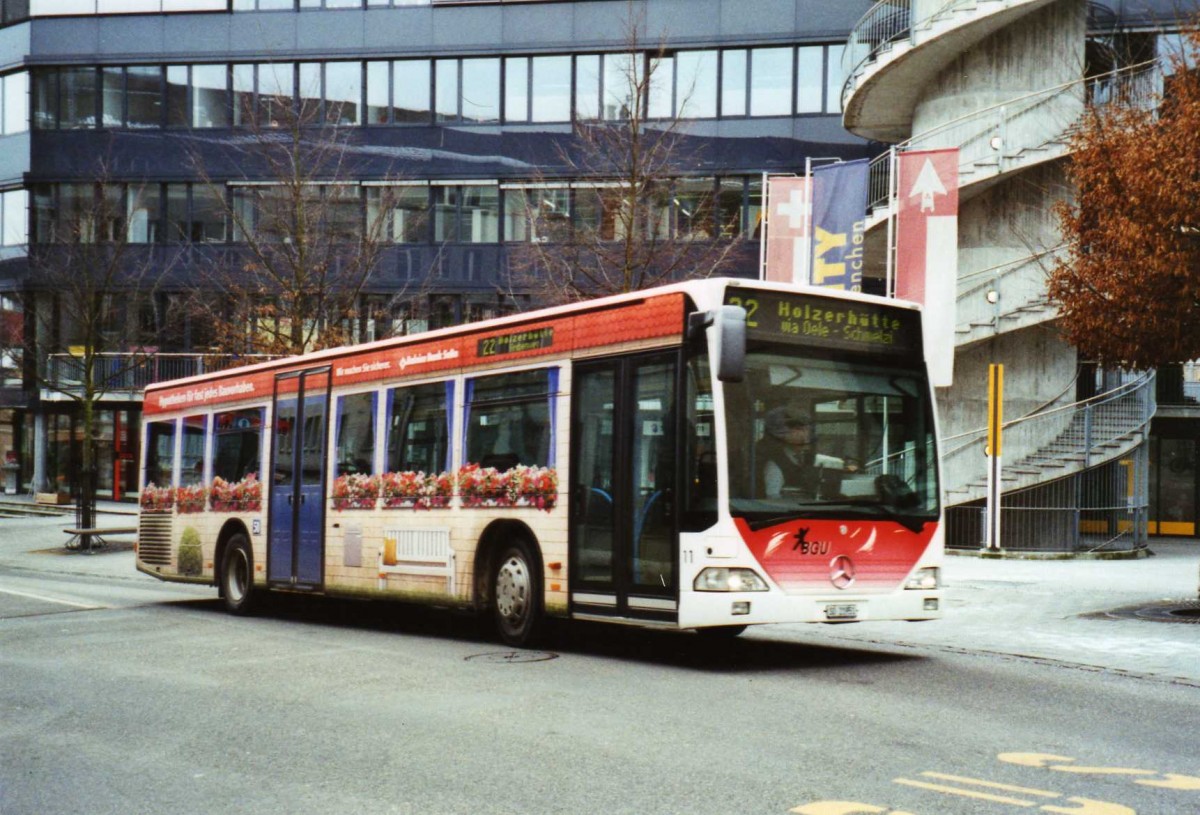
(512, 657)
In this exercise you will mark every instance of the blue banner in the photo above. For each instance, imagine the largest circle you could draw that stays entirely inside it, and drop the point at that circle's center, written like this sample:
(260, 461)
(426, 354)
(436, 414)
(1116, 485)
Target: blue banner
(839, 206)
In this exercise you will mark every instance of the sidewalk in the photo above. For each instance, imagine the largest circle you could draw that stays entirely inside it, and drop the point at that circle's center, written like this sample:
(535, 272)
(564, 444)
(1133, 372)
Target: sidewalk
(1058, 611)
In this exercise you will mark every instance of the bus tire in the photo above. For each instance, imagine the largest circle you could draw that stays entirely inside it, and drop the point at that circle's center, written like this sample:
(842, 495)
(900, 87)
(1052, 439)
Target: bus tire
(237, 576)
(721, 633)
(517, 594)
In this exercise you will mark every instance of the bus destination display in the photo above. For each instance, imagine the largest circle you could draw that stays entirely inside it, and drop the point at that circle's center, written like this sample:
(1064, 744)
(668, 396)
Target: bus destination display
(837, 323)
(515, 343)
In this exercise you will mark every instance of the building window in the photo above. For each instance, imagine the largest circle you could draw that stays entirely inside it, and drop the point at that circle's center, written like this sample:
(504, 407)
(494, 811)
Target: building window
(771, 81)
(144, 96)
(379, 93)
(481, 90)
(178, 113)
(537, 214)
(551, 89)
(16, 217)
(404, 210)
(810, 79)
(77, 98)
(210, 95)
(16, 103)
(143, 208)
(587, 87)
(516, 89)
(411, 80)
(696, 84)
(733, 82)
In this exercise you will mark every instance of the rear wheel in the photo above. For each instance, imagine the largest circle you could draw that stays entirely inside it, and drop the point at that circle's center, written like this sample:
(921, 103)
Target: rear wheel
(237, 576)
(517, 595)
(721, 633)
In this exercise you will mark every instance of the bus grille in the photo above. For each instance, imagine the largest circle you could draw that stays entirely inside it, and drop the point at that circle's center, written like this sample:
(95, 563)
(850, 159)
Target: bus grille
(154, 538)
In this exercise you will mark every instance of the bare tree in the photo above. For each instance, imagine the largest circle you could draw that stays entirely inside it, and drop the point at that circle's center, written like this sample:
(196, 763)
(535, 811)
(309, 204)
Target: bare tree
(90, 307)
(305, 253)
(619, 230)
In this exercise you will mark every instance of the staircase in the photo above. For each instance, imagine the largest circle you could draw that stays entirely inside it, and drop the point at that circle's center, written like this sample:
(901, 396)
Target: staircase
(1082, 435)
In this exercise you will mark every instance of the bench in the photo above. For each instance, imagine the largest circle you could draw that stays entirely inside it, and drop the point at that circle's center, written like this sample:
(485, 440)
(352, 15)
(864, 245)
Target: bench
(96, 534)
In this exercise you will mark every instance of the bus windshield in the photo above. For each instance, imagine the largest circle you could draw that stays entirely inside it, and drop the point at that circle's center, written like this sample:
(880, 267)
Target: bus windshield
(825, 434)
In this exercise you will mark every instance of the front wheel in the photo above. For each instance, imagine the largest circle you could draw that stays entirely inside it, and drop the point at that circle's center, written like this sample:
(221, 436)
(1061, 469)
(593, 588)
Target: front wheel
(517, 595)
(237, 576)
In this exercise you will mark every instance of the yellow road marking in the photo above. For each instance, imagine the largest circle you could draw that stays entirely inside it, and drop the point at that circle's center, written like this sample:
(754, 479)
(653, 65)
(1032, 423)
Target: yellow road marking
(991, 785)
(982, 796)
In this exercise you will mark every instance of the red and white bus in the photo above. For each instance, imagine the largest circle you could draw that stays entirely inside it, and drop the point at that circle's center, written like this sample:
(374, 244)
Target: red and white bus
(608, 460)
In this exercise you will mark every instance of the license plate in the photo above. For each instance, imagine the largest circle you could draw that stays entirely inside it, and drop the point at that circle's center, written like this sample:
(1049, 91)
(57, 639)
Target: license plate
(845, 611)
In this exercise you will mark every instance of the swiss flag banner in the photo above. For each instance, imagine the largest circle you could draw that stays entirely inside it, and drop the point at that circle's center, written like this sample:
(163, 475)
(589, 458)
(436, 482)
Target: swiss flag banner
(789, 218)
(927, 249)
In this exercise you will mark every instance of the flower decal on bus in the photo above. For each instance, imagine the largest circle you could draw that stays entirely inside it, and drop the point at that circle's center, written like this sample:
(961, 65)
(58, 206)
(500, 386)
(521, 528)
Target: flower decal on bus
(237, 496)
(417, 490)
(191, 499)
(157, 499)
(355, 491)
(520, 486)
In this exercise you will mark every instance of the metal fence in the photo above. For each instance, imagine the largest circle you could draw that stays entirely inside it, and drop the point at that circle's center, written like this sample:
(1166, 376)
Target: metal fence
(1104, 509)
(1078, 474)
(128, 372)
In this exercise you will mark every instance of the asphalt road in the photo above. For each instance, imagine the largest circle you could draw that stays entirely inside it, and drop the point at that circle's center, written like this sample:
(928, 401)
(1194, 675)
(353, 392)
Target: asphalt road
(128, 696)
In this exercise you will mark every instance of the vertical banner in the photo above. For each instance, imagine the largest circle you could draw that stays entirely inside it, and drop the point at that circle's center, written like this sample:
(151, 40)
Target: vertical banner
(789, 208)
(994, 451)
(927, 249)
(839, 220)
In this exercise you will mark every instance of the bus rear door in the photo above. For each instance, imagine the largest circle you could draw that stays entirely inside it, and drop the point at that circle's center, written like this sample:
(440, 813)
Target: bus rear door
(296, 554)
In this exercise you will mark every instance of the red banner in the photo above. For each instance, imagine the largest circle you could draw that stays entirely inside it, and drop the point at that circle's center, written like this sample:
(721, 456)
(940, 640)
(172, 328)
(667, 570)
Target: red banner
(927, 249)
(789, 217)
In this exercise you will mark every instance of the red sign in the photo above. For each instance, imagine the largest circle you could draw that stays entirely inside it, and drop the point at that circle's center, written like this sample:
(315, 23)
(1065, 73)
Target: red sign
(927, 249)
(655, 317)
(789, 218)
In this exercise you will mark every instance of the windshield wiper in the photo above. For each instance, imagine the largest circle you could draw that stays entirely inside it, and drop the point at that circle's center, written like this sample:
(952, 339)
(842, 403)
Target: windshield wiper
(913, 523)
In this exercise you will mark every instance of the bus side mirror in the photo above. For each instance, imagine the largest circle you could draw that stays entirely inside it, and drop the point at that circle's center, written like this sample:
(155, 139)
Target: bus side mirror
(729, 339)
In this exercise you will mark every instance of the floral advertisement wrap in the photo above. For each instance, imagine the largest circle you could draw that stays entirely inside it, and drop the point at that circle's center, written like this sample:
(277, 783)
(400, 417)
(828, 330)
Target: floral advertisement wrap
(157, 499)
(417, 490)
(520, 486)
(191, 499)
(238, 496)
(355, 491)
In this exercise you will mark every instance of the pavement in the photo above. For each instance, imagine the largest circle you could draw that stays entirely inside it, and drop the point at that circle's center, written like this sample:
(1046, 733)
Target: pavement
(1135, 617)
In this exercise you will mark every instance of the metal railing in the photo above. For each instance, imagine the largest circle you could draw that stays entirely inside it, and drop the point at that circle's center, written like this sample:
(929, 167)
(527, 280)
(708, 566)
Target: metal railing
(988, 295)
(129, 372)
(887, 23)
(999, 133)
(1104, 509)
(1078, 473)
(1058, 439)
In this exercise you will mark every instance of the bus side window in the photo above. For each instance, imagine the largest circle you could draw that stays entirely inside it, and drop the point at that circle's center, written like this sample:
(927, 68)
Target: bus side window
(417, 428)
(160, 453)
(237, 442)
(191, 468)
(356, 434)
(508, 419)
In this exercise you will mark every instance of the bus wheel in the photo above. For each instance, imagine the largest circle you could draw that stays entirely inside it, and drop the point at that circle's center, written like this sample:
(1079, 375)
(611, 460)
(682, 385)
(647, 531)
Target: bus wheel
(237, 576)
(721, 633)
(517, 595)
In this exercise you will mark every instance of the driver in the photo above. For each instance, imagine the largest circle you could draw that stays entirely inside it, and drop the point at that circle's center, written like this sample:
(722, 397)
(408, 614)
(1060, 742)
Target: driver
(785, 453)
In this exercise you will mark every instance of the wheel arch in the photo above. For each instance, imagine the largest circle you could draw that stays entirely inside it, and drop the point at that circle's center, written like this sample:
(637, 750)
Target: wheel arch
(230, 528)
(494, 537)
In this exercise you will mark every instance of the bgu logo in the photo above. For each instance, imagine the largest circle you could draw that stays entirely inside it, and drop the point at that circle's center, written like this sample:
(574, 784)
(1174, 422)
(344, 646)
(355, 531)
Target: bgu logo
(807, 547)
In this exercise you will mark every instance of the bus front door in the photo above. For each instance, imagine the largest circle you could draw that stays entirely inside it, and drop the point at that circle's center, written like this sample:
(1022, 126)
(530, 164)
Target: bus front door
(296, 554)
(623, 538)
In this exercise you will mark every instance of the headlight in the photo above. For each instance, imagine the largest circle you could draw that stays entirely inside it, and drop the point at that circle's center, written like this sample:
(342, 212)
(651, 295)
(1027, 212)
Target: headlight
(722, 579)
(924, 579)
